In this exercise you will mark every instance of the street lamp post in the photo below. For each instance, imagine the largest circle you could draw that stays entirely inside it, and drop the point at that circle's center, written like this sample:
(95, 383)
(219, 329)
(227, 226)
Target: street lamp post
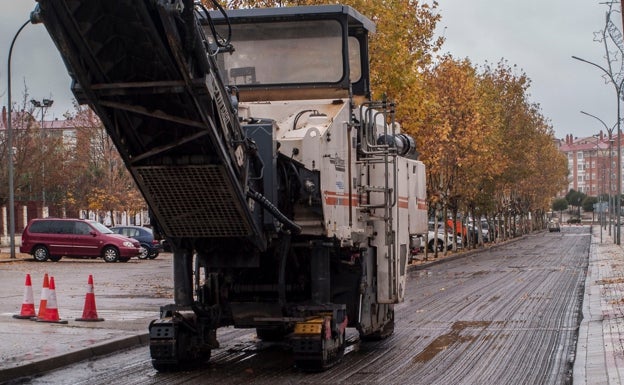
(35, 18)
(600, 156)
(43, 104)
(618, 92)
(610, 132)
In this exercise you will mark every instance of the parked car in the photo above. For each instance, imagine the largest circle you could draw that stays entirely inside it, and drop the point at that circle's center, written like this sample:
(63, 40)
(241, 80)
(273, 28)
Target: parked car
(442, 242)
(54, 238)
(145, 236)
(553, 226)
(474, 232)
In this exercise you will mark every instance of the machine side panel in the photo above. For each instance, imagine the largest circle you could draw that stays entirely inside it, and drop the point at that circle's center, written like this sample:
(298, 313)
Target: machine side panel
(417, 197)
(340, 202)
(391, 234)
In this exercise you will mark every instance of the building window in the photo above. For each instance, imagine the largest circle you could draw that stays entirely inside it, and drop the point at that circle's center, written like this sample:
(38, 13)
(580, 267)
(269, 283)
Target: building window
(579, 155)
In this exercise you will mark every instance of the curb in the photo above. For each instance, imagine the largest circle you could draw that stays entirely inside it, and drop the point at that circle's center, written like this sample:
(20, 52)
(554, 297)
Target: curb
(63, 360)
(14, 260)
(453, 257)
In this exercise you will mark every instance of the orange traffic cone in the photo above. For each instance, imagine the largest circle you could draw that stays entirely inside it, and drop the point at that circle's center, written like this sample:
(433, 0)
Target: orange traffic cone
(28, 304)
(44, 296)
(89, 313)
(51, 313)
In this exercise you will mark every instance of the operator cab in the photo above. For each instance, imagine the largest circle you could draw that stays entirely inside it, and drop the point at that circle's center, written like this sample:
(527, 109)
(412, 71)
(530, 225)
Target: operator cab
(294, 53)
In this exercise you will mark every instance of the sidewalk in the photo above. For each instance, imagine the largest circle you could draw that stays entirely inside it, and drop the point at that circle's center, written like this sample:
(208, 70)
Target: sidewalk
(5, 255)
(600, 346)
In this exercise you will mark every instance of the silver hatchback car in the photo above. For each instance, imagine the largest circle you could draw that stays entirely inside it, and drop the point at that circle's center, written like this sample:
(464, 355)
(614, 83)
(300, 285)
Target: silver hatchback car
(553, 226)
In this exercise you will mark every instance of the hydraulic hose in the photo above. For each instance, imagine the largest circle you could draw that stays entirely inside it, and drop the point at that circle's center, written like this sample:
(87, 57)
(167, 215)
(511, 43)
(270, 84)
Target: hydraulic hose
(265, 203)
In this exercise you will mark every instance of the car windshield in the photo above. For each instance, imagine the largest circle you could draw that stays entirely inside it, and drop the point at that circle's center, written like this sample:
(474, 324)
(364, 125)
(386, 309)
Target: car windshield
(100, 227)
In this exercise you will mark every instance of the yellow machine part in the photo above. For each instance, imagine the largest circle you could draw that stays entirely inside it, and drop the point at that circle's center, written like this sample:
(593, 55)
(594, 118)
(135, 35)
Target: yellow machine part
(312, 326)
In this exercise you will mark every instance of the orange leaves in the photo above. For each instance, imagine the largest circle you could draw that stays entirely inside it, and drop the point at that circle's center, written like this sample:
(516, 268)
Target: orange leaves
(478, 134)
(96, 175)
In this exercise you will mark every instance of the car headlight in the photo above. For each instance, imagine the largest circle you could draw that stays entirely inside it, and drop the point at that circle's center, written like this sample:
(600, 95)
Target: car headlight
(128, 244)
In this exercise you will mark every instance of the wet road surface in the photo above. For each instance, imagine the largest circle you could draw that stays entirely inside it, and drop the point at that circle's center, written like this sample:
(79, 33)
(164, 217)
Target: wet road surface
(506, 315)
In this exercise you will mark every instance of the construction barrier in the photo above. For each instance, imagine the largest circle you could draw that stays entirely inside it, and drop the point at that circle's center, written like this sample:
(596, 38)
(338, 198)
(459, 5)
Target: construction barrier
(51, 313)
(89, 312)
(44, 296)
(28, 304)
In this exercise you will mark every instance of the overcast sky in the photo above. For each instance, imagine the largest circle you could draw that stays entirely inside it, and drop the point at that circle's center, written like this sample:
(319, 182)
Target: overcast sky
(538, 36)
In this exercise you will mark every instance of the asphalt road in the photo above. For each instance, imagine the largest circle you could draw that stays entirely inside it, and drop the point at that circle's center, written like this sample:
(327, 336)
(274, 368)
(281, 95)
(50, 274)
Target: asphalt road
(507, 315)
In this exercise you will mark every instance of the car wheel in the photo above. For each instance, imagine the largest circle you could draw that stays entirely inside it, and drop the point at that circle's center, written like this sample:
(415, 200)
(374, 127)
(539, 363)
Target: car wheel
(110, 254)
(153, 255)
(40, 253)
(144, 252)
(432, 244)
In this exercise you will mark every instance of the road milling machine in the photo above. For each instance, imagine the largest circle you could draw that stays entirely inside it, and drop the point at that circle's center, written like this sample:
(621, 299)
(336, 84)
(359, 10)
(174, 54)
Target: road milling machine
(287, 195)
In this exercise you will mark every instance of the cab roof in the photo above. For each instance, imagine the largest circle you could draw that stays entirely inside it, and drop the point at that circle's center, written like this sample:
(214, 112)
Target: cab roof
(354, 18)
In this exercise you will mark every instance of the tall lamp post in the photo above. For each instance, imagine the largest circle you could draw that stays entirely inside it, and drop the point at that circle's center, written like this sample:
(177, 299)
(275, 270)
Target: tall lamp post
(593, 166)
(618, 92)
(35, 18)
(610, 132)
(43, 104)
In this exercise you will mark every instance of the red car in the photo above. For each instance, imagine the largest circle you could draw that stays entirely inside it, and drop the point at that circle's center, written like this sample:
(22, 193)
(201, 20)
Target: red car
(53, 238)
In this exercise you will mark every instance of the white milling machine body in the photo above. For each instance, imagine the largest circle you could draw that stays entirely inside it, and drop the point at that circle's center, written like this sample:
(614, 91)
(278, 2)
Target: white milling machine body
(288, 196)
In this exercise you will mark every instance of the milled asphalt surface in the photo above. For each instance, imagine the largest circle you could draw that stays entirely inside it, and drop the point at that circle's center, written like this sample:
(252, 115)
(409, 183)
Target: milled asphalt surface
(31, 347)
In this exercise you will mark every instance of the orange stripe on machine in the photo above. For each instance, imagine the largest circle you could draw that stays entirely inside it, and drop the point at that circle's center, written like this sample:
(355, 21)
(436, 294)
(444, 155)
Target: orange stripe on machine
(339, 199)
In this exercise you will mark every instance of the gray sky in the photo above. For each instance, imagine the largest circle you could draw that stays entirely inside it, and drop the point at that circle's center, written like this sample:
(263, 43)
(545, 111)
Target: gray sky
(35, 61)
(538, 36)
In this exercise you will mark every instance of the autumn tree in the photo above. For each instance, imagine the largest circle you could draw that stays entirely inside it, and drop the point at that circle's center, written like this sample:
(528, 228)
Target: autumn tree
(39, 158)
(450, 133)
(522, 143)
(99, 180)
(76, 167)
(483, 143)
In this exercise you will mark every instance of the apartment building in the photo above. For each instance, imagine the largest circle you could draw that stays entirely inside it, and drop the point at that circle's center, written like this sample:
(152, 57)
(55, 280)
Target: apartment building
(592, 164)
